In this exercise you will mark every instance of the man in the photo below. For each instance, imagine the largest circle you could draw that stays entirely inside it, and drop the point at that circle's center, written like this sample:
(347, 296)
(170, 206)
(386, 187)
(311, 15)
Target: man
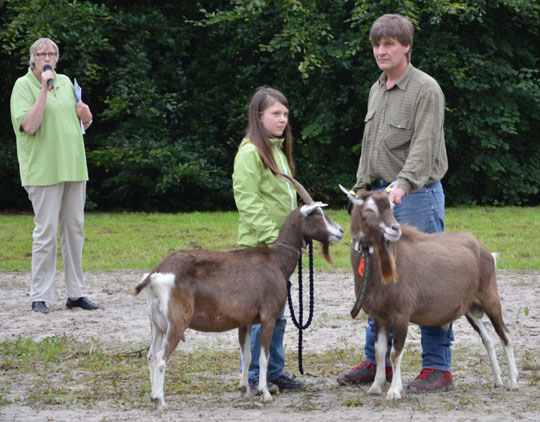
(404, 141)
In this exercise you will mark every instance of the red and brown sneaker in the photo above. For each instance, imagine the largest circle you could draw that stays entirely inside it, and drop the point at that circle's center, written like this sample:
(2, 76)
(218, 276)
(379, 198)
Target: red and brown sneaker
(362, 374)
(431, 380)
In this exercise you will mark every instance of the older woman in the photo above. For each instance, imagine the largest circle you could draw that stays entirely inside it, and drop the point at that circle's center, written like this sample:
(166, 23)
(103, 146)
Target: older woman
(52, 162)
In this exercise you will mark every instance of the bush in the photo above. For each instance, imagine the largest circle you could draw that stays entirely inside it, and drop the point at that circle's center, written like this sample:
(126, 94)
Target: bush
(169, 88)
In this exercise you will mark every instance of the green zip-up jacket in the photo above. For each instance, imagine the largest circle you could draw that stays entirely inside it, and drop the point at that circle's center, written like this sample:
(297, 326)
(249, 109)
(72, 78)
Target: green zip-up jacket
(263, 199)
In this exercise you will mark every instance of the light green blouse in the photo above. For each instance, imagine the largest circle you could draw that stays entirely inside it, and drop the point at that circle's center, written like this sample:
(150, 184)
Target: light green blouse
(55, 153)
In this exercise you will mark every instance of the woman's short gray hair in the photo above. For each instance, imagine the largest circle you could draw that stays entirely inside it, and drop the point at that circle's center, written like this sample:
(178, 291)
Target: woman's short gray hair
(47, 42)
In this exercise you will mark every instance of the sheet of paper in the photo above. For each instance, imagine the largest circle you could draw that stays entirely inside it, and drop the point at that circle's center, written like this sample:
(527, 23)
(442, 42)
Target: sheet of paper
(78, 97)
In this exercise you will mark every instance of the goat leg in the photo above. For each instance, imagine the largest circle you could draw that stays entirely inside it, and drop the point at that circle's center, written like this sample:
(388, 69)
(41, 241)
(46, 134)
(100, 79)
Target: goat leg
(160, 365)
(245, 356)
(158, 325)
(267, 330)
(175, 333)
(400, 334)
(479, 327)
(381, 345)
(494, 312)
(511, 365)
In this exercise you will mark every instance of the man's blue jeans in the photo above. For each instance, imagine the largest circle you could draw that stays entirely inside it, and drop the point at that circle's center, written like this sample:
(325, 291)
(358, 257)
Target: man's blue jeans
(424, 209)
(276, 358)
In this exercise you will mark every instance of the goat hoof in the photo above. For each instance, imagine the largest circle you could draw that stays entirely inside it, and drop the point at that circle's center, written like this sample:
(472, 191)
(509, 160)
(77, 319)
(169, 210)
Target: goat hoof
(513, 386)
(375, 389)
(393, 396)
(266, 397)
(246, 393)
(159, 403)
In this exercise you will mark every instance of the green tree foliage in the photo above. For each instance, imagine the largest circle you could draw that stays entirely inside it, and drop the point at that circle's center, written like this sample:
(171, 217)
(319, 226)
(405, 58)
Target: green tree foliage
(78, 29)
(169, 83)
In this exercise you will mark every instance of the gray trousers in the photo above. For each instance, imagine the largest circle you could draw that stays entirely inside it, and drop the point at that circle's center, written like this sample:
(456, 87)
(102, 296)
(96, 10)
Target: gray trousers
(57, 206)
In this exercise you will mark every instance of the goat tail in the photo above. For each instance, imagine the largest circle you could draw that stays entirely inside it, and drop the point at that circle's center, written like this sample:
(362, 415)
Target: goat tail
(387, 262)
(145, 282)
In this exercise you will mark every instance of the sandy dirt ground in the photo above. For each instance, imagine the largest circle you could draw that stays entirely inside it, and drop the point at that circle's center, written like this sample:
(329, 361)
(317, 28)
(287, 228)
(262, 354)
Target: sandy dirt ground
(122, 324)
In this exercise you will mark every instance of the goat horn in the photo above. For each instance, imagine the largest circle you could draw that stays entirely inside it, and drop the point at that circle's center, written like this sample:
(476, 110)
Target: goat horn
(350, 195)
(300, 189)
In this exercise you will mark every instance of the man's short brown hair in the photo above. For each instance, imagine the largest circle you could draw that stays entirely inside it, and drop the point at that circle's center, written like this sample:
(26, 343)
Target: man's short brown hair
(393, 26)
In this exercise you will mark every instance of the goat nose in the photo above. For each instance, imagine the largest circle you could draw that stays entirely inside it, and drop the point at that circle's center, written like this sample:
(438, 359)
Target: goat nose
(396, 227)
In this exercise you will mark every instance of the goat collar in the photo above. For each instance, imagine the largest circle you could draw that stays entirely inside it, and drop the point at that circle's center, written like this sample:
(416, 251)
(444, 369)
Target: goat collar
(363, 272)
(356, 245)
(289, 247)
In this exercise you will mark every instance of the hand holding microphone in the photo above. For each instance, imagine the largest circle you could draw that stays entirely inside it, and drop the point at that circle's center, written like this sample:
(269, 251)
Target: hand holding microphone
(50, 82)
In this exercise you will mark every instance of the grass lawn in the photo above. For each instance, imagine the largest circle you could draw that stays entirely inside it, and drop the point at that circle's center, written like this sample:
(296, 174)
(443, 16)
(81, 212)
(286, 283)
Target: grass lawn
(140, 240)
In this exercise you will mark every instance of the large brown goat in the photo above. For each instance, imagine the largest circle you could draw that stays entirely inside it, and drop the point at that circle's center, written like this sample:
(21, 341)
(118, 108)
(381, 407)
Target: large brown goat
(218, 291)
(427, 279)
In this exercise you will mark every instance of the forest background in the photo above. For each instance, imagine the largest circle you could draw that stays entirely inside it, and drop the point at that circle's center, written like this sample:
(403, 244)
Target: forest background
(169, 83)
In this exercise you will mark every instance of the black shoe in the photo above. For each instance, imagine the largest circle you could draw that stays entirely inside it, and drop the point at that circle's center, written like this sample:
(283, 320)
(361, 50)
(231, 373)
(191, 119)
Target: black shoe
(82, 302)
(39, 306)
(287, 382)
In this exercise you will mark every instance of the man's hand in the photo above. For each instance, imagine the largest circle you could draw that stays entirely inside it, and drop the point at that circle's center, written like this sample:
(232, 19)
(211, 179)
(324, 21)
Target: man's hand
(396, 195)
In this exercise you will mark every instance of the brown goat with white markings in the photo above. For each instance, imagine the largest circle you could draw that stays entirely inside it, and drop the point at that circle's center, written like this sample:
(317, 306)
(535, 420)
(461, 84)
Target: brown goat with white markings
(427, 279)
(218, 291)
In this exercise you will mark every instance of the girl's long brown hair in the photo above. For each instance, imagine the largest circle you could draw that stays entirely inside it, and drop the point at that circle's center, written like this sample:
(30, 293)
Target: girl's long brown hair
(263, 98)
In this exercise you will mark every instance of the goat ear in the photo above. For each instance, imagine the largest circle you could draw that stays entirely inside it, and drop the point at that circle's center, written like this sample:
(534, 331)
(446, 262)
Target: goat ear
(351, 197)
(308, 209)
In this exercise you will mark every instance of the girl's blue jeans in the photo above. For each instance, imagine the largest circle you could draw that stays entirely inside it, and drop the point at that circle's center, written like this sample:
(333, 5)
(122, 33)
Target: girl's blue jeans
(424, 209)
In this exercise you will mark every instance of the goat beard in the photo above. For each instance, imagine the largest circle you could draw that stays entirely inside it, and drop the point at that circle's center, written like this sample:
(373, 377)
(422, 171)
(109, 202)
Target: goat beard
(387, 261)
(326, 252)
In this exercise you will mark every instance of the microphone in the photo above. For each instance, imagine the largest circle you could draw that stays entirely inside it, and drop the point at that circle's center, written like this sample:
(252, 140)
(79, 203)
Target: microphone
(50, 82)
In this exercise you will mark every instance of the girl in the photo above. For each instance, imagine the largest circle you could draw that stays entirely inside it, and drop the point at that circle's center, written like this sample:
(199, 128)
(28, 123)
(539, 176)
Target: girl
(264, 200)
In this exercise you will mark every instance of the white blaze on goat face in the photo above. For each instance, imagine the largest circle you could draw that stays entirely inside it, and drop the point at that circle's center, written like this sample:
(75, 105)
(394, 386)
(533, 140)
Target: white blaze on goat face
(335, 230)
(371, 205)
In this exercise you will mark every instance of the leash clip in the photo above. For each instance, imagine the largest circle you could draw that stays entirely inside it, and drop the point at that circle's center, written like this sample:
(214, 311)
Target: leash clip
(390, 188)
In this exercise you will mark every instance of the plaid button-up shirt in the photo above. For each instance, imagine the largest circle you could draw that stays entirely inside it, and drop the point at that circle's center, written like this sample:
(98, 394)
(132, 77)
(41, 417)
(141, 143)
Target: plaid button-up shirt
(404, 133)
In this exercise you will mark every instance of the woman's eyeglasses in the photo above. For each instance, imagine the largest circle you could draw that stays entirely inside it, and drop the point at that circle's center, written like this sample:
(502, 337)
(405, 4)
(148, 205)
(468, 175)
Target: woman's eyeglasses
(42, 55)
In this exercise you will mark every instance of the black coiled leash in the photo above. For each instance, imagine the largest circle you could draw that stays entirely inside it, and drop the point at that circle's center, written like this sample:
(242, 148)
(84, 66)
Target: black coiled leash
(299, 323)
